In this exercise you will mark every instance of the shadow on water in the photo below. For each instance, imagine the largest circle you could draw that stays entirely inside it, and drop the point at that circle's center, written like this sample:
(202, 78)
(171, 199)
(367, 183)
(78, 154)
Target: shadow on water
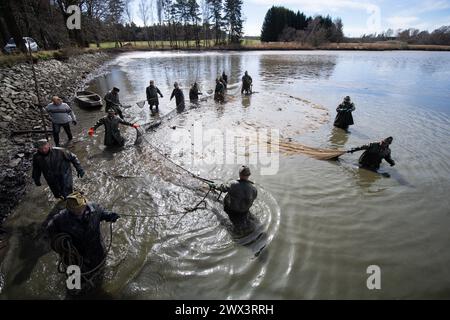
(33, 243)
(246, 100)
(247, 232)
(366, 178)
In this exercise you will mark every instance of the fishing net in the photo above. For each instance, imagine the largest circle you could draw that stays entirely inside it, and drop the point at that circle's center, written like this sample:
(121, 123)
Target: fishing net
(291, 148)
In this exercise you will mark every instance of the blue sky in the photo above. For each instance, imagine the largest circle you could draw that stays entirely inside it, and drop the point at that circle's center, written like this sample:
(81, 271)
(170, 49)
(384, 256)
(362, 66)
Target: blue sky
(359, 17)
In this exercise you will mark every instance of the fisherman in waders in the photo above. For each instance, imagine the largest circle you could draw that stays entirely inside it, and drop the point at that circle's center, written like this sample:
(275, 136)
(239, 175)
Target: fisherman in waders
(111, 122)
(74, 234)
(194, 93)
(55, 165)
(224, 83)
(113, 102)
(246, 83)
(225, 77)
(374, 153)
(219, 92)
(152, 96)
(240, 196)
(344, 116)
(61, 115)
(179, 97)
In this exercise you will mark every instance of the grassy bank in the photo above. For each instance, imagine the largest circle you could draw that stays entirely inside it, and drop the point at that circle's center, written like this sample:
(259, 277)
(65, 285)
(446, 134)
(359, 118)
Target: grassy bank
(247, 44)
(253, 44)
(8, 60)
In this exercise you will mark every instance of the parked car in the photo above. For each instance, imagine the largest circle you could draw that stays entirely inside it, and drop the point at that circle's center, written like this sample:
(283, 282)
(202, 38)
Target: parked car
(29, 43)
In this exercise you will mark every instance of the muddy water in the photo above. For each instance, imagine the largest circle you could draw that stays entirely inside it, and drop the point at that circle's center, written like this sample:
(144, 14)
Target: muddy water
(316, 226)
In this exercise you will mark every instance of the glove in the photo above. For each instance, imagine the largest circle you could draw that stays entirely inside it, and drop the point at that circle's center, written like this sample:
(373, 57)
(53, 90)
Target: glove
(392, 164)
(91, 131)
(212, 185)
(135, 125)
(74, 123)
(37, 183)
(113, 217)
(80, 174)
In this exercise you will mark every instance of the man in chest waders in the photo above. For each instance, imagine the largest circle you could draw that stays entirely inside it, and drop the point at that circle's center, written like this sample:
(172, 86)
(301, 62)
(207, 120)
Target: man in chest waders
(111, 122)
(152, 93)
(74, 234)
(374, 153)
(240, 196)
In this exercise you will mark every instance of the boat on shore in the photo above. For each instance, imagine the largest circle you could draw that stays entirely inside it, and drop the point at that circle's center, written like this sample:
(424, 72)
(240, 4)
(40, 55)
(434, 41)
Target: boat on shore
(88, 99)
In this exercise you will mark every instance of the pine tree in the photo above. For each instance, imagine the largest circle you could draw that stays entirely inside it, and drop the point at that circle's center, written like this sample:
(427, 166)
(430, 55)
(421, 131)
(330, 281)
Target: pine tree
(216, 17)
(233, 18)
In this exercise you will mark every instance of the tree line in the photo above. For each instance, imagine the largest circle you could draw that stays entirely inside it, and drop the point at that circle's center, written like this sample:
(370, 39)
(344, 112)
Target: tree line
(282, 24)
(178, 22)
(439, 36)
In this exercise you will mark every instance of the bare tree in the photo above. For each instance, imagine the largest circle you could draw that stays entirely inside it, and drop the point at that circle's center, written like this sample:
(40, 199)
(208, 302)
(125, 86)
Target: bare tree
(206, 13)
(152, 20)
(144, 15)
(129, 17)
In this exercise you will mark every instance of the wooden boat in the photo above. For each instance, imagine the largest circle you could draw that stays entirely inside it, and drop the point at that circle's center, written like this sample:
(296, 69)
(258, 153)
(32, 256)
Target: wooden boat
(88, 99)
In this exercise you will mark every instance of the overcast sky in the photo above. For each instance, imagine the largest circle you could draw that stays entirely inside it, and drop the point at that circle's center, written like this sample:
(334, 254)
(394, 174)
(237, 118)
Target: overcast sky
(359, 17)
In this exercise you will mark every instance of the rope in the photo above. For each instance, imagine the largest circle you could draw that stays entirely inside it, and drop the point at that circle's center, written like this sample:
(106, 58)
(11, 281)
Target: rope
(196, 207)
(174, 163)
(69, 255)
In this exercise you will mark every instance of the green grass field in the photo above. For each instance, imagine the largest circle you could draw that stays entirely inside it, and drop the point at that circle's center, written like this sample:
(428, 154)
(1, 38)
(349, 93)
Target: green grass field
(166, 44)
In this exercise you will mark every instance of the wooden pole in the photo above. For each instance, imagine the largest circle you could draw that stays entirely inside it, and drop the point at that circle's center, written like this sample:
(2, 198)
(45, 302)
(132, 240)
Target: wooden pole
(36, 88)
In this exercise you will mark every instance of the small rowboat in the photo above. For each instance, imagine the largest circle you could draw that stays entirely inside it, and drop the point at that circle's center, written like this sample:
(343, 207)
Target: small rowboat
(88, 99)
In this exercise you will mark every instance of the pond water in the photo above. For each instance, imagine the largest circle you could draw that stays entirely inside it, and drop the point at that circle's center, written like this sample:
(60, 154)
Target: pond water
(318, 225)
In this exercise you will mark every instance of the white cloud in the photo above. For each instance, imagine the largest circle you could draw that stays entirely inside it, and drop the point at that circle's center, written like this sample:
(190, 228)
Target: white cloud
(401, 22)
(319, 5)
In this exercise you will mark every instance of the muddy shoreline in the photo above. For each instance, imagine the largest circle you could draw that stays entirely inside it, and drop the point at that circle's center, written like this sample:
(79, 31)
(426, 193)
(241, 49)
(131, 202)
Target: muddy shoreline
(19, 110)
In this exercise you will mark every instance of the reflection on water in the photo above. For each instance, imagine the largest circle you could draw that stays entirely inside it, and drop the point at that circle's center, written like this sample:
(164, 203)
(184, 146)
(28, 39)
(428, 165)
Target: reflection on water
(287, 68)
(338, 138)
(316, 225)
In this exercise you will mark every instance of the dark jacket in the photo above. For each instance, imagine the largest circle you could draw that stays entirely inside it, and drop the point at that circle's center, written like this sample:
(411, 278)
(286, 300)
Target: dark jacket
(373, 155)
(219, 92)
(246, 81)
(84, 232)
(240, 196)
(193, 93)
(225, 78)
(344, 116)
(113, 102)
(179, 97)
(55, 166)
(152, 95)
(112, 132)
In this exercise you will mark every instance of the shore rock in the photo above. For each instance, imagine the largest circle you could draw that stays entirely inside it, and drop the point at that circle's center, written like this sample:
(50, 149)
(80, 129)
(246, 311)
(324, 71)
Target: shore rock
(19, 110)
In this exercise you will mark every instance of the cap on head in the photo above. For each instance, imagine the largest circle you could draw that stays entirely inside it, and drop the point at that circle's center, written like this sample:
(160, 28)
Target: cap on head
(111, 111)
(347, 98)
(152, 82)
(76, 201)
(388, 140)
(246, 72)
(175, 84)
(244, 171)
(42, 142)
(116, 89)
